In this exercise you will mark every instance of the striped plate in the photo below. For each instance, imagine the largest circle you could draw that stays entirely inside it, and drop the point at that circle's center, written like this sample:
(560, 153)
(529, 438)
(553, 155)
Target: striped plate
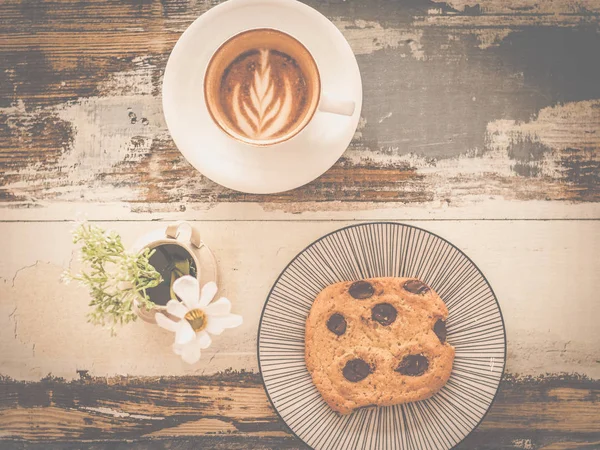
(475, 328)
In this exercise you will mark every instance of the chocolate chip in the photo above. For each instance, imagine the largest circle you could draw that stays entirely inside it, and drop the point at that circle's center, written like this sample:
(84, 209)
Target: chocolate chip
(413, 365)
(384, 313)
(440, 330)
(416, 287)
(337, 324)
(361, 290)
(356, 370)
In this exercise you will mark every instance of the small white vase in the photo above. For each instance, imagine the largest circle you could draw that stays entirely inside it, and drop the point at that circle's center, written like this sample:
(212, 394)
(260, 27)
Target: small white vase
(204, 259)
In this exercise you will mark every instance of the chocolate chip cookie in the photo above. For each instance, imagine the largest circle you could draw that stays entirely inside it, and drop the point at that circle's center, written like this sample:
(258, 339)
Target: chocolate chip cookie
(380, 341)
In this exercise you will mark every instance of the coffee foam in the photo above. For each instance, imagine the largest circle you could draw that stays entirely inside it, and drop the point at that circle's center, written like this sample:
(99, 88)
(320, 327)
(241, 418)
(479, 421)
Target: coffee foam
(259, 93)
(265, 105)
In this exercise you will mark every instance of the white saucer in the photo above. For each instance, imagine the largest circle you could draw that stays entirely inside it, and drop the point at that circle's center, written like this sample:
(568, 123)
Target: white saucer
(236, 165)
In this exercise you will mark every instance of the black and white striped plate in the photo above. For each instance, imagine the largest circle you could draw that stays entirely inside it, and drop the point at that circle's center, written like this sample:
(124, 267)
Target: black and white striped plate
(475, 328)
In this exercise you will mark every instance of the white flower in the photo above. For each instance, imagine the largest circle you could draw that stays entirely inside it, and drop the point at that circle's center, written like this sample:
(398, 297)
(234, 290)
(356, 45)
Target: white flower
(197, 317)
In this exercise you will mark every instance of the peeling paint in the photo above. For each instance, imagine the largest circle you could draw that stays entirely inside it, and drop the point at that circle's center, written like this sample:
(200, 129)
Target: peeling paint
(491, 21)
(366, 37)
(544, 145)
(105, 135)
(39, 130)
(138, 81)
(572, 124)
(101, 136)
(195, 427)
(523, 443)
(119, 414)
(541, 144)
(524, 6)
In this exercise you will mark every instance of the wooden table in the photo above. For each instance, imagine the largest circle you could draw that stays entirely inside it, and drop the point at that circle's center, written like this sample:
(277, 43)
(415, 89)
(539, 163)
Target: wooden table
(481, 123)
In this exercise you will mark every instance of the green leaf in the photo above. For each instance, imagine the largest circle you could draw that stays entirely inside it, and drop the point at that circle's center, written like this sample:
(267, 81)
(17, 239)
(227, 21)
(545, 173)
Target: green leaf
(107, 266)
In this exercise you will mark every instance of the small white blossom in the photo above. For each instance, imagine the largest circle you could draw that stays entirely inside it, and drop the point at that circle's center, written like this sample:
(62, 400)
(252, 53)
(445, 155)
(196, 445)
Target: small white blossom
(197, 317)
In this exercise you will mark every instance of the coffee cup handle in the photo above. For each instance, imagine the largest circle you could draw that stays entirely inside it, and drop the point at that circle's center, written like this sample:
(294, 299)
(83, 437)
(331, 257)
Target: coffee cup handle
(333, 105)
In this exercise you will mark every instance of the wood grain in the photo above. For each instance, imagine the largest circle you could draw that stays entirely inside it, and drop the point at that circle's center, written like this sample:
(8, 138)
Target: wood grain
(188, 411)
(472, 110)
(462, 103)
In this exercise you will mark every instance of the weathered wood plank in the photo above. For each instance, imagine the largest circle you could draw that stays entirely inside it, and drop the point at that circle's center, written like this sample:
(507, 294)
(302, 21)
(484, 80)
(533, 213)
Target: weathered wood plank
(498, 210)
(216, 442)
(543, 272)
(234, 408)
(463, 103)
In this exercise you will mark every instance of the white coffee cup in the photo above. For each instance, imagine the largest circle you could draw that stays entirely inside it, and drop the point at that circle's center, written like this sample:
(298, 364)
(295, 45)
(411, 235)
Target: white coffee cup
(282, 165)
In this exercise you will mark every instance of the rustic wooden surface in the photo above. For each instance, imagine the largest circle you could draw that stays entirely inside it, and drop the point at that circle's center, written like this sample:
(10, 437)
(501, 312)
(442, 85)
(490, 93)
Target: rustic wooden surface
(481, 122)
(461, 102)
(190, 412)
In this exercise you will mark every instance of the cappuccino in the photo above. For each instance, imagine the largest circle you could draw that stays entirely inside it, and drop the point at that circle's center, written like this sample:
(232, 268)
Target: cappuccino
(262, 86)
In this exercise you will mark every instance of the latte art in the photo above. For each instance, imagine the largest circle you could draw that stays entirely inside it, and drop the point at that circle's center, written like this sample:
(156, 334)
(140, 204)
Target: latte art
(263, 88)
(267, 96)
